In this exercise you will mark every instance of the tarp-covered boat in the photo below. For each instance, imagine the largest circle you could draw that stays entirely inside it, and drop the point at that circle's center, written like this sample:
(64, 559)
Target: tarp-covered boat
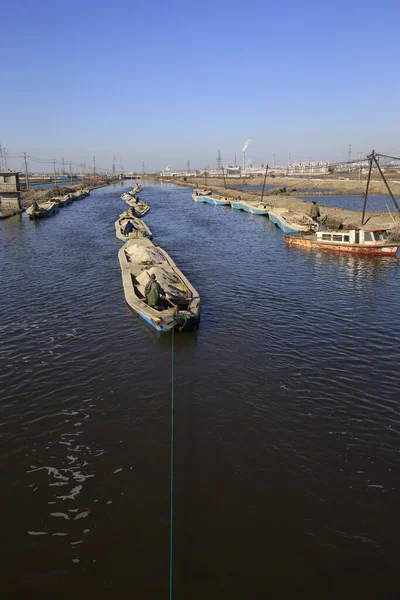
(42, 210)
(138, 229)
(139, 259)
(141, 208)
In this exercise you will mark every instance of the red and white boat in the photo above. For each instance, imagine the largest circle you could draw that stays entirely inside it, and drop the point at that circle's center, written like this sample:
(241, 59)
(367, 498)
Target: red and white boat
(373, 242)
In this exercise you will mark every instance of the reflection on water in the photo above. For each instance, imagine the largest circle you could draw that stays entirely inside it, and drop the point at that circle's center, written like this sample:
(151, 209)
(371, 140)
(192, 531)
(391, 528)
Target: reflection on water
(287, 411)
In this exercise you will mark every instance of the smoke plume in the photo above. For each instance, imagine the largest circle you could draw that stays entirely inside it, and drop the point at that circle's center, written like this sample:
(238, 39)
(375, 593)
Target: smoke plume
(246, 144)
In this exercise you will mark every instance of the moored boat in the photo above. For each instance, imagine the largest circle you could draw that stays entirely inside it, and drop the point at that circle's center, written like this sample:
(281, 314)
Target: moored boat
(217, 200)
(258, 208)
(63, 200)
(203, 192)
(372, 242)
(42, 210)
(138, 260)
(139, 229)
(292, 221)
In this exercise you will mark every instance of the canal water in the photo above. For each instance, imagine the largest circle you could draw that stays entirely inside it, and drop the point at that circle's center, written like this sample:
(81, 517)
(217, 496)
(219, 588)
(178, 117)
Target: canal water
(287, 413)
(378, 202)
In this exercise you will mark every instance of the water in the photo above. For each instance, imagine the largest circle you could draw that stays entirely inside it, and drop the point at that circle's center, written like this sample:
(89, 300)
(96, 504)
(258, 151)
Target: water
(377, 202)
(287, 413)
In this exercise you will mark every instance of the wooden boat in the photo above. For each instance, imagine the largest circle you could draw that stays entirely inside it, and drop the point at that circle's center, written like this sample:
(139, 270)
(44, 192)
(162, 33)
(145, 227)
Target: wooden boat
(373, 242)
(141, 230)
(139, 259)
(127, 196)
(255, 209)
(78, 195)
(63, 200)
(217, 200)
(141, 208)
(292, 221)
(136, 189)
(43, 210)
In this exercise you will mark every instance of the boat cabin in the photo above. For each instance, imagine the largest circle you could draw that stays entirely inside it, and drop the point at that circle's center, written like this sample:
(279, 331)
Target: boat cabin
(354, 236)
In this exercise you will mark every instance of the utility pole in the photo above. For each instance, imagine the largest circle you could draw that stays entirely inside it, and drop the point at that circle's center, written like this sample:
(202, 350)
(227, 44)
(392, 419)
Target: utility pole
(26, 172)
(84, 168)
(63, 165)
(94, 165)
(54, 172)
(70, 171)
(349, 154)
(5, 159)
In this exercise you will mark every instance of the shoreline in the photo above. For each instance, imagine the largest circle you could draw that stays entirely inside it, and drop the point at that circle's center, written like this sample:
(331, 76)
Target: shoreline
(335, 216)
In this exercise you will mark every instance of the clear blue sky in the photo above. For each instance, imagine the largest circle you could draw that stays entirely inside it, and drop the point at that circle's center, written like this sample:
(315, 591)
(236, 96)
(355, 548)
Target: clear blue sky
(162, 83)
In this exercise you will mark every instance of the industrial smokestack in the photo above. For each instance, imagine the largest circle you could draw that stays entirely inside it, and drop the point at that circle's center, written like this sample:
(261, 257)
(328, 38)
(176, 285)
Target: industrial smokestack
(245, 147)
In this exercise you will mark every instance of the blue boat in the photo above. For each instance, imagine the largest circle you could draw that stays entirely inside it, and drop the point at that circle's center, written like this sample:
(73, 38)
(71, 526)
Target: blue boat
(217, 200)
(292, 221)
(198, 198)
(254, 209)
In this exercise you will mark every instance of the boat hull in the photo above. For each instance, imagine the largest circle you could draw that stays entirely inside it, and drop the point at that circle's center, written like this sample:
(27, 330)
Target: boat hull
(199, 198)
(217, 201)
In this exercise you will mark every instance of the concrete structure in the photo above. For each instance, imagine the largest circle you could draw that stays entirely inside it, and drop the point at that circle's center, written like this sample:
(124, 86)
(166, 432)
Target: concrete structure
(10, 196)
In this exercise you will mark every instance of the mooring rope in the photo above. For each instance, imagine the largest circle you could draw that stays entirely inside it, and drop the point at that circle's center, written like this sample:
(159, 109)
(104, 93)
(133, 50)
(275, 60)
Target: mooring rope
(171, 515)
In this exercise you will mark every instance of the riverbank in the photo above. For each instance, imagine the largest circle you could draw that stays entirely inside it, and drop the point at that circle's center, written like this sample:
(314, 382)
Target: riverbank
(334, 216)
(42, 195)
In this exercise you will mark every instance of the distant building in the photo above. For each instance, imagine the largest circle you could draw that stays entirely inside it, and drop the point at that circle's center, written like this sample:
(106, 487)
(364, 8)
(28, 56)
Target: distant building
(10, 195)
(168, 173)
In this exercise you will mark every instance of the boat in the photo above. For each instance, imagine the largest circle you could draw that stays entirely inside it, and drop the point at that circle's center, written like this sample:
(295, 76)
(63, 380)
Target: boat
(138, 260)
(258, 208)
(78, 195)
(141, 208)
(43, 210)
(203, 192)
(198, 198)
(63, 200)
(136, 189)
(127, 196)
(292, 221)
(217, 200)
(140, 229)
(371, 241)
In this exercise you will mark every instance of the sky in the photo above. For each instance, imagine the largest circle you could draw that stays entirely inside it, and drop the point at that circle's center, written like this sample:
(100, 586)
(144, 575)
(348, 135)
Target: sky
(163, 83)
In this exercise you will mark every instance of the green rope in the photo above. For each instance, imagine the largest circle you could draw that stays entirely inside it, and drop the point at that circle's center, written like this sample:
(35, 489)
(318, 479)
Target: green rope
(171, 516)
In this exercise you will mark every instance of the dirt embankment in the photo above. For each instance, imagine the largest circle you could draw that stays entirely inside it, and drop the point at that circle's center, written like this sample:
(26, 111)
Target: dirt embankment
(293, 185)
(42, 195)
